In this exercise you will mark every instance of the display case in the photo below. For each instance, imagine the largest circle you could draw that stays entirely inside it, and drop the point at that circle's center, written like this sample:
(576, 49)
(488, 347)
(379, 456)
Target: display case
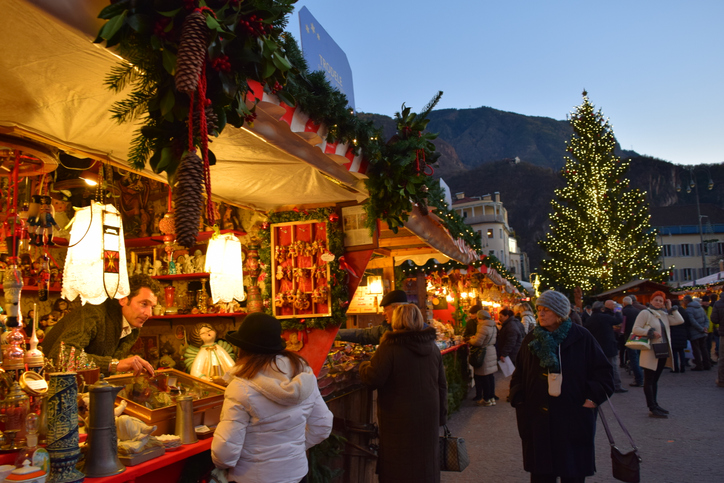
(208, 398)
(300, 267)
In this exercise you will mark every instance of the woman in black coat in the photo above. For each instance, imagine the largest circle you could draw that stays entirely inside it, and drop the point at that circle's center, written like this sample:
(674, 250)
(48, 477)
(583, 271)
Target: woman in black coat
(679, 337)
(408, 374)
(558, 431)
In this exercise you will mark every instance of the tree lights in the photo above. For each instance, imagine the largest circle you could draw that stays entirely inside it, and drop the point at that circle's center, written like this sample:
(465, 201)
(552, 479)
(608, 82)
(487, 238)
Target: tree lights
(600, 235)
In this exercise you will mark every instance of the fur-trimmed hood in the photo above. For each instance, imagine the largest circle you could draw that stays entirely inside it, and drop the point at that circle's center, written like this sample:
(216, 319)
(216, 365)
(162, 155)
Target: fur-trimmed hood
(420, 342)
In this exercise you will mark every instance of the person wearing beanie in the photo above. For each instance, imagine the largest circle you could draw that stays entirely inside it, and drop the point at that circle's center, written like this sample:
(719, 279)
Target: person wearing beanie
(373, 335)
(484, 376)
(655, 323)
(561, 376)
(272, 411)
(407, 372)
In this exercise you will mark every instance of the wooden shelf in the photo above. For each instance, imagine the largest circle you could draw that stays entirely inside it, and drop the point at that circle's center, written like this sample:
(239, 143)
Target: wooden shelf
(34, 288)
(190, 316)
(157, 240)
(181, 276)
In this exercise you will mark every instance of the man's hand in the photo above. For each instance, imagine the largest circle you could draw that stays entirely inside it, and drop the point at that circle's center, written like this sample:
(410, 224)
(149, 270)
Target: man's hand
(136, 364)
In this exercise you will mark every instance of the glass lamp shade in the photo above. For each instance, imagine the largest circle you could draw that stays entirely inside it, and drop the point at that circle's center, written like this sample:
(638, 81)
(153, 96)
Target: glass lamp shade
(223, 263)
(95, 267)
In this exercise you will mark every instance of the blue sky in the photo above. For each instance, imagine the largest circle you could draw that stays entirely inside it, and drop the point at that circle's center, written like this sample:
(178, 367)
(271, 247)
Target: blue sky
(655, 68)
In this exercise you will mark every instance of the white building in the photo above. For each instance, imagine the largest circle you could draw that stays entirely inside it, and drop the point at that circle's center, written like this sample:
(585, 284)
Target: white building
(487, 216)
(680, 240)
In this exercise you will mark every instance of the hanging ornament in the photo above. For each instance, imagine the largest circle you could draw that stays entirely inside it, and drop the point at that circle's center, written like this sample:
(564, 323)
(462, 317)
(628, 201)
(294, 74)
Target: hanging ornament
(334, 217)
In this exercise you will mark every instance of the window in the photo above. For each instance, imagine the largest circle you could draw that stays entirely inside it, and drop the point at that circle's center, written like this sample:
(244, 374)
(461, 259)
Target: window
(490, 233)
(491, 253)
(686, 250)
(501, 233)
(465, 214)
(687, 274)
(668, 251)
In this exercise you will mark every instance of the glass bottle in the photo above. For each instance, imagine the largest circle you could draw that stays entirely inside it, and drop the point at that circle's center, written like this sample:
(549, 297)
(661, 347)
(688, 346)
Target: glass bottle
(36, 456)
(17, 405)
(203, 298)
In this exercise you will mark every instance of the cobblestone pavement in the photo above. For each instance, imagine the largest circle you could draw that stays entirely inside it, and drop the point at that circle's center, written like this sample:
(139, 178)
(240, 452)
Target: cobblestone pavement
(686, 448)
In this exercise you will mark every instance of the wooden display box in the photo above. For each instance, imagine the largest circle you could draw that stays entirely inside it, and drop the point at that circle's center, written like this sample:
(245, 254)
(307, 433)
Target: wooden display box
(300, 270)
(207, 409)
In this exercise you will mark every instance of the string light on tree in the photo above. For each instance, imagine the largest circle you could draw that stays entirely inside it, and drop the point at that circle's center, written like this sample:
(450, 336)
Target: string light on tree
(600, 235)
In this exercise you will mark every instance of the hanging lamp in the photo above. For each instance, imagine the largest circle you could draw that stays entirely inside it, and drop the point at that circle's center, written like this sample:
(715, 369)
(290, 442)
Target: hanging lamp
(223, 263)
(95, 267)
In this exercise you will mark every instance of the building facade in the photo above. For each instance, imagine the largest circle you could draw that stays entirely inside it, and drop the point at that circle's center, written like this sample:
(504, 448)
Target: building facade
(487, 216)
(680, 238)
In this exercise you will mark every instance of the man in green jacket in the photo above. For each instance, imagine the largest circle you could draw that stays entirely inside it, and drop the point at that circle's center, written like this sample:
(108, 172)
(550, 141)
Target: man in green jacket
(108, 331)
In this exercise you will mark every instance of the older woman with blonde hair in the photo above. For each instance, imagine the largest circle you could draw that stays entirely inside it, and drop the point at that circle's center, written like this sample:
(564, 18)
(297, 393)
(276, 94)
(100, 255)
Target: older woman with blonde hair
(408, 374)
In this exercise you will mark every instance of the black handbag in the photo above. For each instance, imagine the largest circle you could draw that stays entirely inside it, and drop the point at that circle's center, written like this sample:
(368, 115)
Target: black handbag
(661, 350)
(626, 466)
(477, 356)
(453, 452)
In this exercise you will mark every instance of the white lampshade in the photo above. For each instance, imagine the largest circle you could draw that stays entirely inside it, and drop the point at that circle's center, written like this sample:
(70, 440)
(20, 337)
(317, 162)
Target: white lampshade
(95, 267)
(223, 263)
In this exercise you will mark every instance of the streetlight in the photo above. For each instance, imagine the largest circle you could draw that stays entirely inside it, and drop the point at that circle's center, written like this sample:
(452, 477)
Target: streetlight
(692, 184)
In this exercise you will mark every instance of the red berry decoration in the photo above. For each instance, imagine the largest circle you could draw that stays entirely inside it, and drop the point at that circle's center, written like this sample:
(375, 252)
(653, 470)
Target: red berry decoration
(334, 217)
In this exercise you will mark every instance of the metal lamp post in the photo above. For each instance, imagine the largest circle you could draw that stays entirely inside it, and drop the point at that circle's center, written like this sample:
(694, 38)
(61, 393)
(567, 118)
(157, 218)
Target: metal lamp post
(695, 186)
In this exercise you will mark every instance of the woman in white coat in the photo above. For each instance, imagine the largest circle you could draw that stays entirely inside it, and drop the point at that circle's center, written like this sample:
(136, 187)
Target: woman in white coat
(485, 375)
(654, 322)
(272, 410)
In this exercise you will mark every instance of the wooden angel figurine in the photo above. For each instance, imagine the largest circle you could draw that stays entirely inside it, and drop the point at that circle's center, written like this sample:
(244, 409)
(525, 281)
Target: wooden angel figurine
(207, 358)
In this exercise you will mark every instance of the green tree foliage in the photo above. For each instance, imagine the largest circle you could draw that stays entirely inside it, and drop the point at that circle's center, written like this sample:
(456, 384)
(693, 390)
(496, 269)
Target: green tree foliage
(600, 236)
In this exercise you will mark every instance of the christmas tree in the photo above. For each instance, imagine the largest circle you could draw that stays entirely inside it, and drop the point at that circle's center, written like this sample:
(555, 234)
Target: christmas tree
(600, 234)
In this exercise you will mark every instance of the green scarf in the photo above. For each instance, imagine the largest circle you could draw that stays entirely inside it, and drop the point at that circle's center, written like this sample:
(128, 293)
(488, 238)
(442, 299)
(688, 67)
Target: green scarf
(545, 343)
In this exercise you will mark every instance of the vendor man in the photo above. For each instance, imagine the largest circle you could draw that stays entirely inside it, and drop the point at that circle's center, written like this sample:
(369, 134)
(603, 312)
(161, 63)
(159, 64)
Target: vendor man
(108, 331)
(373, 335)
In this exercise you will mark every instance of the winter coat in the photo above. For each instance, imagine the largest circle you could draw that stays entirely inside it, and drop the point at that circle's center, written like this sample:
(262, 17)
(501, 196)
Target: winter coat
(94, 328)
(717, 316)
(471, 328)
(679, 336)
(699, 320)
(652, 318)
(558, 432)
(528, 320)
(408, 374)
(485, 337)
(600, 324)
(267, 424)
(510, 337)
(630, 313)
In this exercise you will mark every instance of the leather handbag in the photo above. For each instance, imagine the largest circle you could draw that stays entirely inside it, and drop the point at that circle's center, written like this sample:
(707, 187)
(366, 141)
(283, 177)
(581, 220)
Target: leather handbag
(477, 356)
(453, 452)
(626, 466)
(661, 350)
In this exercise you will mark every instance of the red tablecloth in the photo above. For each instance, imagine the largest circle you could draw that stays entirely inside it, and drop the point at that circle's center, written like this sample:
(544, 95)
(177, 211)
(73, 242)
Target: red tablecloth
(164, 468)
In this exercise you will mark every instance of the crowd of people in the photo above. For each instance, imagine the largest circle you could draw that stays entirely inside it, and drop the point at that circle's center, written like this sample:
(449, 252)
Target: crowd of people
(566, 365)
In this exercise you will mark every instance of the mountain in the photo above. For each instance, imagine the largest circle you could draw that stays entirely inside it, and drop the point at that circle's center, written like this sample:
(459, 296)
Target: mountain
(478, 148)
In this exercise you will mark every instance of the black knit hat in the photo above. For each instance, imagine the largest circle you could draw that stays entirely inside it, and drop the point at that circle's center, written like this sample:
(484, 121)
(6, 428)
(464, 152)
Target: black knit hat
(394, 297)
(259, 333)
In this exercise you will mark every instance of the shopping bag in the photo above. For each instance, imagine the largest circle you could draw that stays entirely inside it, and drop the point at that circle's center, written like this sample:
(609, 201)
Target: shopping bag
(453, 452)
(638, 342)
(688, 353)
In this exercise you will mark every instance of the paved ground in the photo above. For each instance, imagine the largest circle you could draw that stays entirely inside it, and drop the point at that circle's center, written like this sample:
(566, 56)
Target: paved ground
(686, 448)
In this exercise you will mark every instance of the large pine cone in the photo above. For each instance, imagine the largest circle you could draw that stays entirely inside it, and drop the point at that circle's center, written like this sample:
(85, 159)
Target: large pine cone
(189, 199)
(212, 121)
(191, 52)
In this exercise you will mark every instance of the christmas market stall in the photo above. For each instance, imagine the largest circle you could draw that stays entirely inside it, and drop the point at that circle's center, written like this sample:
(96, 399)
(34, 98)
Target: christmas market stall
(219, 171)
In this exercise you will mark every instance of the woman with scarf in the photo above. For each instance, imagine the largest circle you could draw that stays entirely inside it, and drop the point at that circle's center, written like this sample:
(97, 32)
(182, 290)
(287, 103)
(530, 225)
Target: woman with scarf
(561, 377)
(655, 323)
